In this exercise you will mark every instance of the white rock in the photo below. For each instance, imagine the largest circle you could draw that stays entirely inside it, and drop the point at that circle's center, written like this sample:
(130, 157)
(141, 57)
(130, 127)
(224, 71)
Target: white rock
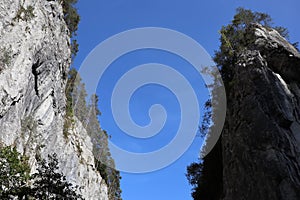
(32, 89)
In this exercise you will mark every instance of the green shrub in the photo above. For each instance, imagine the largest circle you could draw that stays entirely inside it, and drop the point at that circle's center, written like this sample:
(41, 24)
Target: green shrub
(72, 19)
(47, 183)
(88, 114)
(235, 40)
(14, 172)
(206, 175)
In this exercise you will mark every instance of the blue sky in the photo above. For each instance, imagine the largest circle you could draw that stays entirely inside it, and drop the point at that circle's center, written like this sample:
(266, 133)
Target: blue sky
(200, 20)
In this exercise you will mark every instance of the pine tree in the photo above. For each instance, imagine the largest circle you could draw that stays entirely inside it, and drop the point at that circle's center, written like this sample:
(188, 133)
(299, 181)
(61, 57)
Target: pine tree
(88, 114)
(234, 39)
(49, 184)
(72, 19)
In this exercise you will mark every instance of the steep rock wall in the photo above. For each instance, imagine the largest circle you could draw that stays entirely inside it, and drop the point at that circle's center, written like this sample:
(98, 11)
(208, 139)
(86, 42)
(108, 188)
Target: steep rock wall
(260, 141)
(34, 61)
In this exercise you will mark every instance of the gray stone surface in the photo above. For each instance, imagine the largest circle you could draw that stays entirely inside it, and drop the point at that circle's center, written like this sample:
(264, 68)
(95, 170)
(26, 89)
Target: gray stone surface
(34, 60)
(261, 157)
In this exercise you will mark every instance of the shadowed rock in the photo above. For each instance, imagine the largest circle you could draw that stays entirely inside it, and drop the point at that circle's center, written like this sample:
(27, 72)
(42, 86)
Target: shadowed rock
(260, 142)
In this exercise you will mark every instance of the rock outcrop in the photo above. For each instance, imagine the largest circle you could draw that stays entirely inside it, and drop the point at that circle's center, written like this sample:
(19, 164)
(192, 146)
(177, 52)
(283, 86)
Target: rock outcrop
(261, 137)
(34, 61)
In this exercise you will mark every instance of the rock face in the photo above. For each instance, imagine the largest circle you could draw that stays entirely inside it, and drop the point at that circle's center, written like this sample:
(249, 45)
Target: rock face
(34, 61)
(261, 137)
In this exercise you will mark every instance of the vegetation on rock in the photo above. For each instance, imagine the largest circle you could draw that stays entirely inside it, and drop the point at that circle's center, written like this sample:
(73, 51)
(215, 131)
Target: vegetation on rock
(235, 40)
(206, 175)
(88, 114)
(14, 173)
(72, 19)
(47, 183)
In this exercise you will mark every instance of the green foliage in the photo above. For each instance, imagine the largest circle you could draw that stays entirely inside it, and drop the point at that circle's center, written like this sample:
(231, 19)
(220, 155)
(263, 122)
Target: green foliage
(114, 191)
(49, 184)
(101, 168)
(76, 104)
(88, 114)
(25, 14)
(74, 48)
(206, 175)
(70, 91)
(76, 97)
(72, 19)
(71, 15)
(68, 123)
(14, 173)
(112, 179)
(69, 104)
(80, 103)
(103, 160)
(234, 38)
(211, 106)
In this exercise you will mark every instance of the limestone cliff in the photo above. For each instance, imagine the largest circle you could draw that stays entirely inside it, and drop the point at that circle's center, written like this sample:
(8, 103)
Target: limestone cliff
(34, 61)
(261, 137)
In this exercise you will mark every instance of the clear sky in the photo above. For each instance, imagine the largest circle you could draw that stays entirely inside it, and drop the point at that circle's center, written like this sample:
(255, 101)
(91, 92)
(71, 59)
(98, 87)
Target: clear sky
(200, 20)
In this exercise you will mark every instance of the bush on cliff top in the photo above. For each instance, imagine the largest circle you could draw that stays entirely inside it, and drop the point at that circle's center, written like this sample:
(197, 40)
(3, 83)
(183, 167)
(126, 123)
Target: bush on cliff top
(206, 175)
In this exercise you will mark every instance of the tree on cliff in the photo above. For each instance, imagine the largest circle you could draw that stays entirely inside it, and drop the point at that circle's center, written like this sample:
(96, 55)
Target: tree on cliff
(72, 19)
(206, 175)
(88, 113)
(47, 183)
(234, 39)
(103, 161)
